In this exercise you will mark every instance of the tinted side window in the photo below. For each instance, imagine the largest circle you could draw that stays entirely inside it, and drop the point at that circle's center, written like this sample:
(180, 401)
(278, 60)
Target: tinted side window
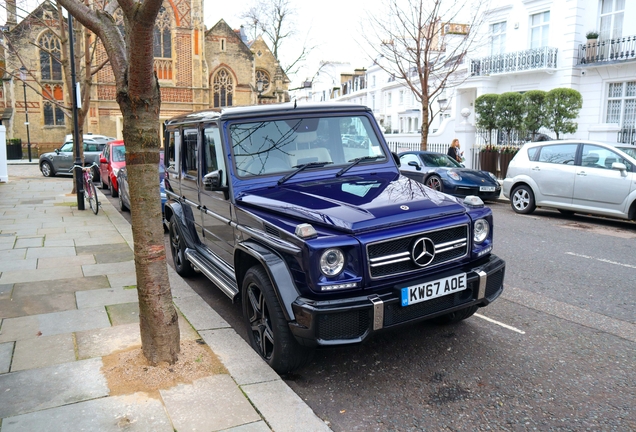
(189, 152)
(533, 153)
(599, 157)
(213, 150)
(174, 141)
(558, 153)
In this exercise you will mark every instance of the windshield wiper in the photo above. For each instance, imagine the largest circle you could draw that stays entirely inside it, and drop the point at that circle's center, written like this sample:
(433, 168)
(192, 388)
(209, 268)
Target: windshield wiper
(299, 168)
(356, 161)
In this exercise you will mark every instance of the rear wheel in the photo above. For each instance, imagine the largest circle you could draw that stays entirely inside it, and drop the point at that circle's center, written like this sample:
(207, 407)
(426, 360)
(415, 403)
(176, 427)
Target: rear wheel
(177, 248)
(123, 207)
(435, 182)
(91, 196)
(47, 169)
(522, 200)
(269, 332)
(457, 316)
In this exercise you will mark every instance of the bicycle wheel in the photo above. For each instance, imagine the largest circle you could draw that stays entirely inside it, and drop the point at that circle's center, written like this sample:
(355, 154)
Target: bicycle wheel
(90, 194)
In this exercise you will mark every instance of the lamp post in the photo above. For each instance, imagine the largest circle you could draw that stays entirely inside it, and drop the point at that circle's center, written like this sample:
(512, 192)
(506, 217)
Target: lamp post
(259, 89)
(23, 76)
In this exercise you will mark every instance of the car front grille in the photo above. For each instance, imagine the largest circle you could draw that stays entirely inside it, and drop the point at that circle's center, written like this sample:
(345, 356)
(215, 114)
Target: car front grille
(393, 257)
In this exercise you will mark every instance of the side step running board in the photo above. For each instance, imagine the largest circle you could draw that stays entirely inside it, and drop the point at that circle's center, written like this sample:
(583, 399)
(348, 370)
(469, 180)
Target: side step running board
(225, 283)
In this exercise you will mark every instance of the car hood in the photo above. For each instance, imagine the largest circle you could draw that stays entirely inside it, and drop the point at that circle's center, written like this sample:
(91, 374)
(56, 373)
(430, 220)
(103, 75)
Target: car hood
(479, 177)
(355, 204)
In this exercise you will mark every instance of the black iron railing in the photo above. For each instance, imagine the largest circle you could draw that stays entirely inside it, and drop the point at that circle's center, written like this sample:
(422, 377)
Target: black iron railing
(532, 59)
(608, 50)
(627, 136)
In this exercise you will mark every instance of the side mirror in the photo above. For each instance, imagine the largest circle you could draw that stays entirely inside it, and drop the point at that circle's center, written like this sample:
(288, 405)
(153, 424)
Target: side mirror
(57, 151)
(214, 181)
(619, 166)
(416, 165)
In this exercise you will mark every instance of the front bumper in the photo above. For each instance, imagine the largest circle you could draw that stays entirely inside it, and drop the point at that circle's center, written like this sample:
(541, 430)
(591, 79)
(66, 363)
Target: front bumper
(352, 320)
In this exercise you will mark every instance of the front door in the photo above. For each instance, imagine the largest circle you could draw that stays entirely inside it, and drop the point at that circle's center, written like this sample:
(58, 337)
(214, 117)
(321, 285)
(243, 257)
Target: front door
(190, 175)
(597, 186)
(216, 209)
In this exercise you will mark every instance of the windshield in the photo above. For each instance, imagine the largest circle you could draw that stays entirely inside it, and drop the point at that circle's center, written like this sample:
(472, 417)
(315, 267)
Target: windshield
(281, 146)
(439, 160)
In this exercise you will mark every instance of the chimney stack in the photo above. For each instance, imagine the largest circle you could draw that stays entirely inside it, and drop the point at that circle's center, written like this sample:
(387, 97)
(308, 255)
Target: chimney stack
(11, 14)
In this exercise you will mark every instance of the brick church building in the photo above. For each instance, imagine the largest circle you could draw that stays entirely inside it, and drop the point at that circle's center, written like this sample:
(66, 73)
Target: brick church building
(197, 68)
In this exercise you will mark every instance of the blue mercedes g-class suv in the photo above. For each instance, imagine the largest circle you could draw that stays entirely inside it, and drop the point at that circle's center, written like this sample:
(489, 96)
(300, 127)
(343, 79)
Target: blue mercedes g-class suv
(320, 236)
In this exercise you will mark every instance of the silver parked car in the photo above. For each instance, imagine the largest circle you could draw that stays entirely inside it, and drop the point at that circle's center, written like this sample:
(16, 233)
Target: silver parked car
(574, 176)
(61, 160)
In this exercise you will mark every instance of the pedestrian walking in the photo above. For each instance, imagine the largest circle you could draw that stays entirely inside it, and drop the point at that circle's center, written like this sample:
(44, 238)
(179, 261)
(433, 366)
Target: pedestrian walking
(455, 152)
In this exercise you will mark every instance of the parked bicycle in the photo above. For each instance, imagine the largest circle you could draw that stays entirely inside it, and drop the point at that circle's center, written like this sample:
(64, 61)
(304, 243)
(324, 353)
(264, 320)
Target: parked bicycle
(90, 191)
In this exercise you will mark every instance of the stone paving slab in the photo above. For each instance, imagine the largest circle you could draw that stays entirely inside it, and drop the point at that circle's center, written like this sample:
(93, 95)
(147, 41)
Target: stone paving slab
(55, 262)
(34, 305)
(49, 252)
(104, 297)
(6, 352)
(200, 314)
(5, 292)
(39, 389)
(40, 274)
(243, 363)
(109, 268)
(259, 426)
(43, 351)
(61, 285)
(15, 265)
(29, 242)
(11, 254)
(283, 409)
(131, 413)
(122, 280)
(211, 403)
(178, 287)
(14, 329)
(101, 342)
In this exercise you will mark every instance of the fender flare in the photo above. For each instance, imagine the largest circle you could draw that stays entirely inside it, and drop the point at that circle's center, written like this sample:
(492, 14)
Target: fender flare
(276, 269)
(174, 209)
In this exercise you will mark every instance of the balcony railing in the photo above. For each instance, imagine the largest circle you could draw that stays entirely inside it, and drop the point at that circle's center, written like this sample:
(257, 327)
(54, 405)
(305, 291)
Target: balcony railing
(528, 60)
(609, 50)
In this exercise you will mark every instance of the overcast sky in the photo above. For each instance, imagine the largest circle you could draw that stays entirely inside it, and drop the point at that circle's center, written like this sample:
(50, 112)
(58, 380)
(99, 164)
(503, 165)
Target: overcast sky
(332, 26)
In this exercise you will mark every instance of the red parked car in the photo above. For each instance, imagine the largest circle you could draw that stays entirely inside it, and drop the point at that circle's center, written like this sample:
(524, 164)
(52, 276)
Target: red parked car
(112, 159)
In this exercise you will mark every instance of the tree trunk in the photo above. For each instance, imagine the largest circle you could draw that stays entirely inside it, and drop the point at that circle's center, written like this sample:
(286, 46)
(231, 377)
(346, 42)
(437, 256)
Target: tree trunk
(158, 320)
(425, 125)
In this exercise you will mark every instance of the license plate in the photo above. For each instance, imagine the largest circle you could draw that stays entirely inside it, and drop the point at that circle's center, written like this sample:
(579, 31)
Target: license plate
(486, 188)
(433, 289)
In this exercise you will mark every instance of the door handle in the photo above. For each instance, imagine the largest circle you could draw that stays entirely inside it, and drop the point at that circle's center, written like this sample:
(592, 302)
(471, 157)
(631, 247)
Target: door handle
(536, 168)
(581, 173)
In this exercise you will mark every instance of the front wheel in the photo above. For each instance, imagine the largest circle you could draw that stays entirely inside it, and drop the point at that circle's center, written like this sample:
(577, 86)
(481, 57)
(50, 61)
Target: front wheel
(123, 206)
(522, 200)
(113, 192)
(47, 169)
(90, 194)
(269, 332)
(435, 183)
(177, 248)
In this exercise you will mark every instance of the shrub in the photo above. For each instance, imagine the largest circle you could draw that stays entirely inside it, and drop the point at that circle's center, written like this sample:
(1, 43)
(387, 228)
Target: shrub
(534, 118)
(562, 106)
(509, 111)
(485, 112)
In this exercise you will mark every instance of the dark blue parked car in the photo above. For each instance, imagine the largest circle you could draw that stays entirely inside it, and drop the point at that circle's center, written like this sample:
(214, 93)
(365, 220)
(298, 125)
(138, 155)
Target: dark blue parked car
(440, 172)
(324, 242)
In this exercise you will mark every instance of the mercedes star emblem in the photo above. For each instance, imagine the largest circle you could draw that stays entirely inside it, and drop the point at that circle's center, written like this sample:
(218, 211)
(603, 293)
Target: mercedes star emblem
(423, 251)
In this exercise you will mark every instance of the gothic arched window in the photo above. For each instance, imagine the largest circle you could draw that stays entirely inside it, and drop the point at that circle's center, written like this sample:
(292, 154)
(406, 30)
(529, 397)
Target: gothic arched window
(162, 35)
(50, 54)
(223, 86)
(263, 76)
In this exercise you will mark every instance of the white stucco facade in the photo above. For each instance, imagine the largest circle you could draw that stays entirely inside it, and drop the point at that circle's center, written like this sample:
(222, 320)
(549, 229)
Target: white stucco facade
(528, 45)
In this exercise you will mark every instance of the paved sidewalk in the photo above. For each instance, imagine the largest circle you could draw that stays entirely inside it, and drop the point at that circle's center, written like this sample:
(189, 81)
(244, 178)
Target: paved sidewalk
(66, 301)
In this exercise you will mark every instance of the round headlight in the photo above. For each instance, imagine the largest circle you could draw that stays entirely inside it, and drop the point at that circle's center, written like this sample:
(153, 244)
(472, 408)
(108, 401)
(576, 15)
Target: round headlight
(332, 262)
(482, 229)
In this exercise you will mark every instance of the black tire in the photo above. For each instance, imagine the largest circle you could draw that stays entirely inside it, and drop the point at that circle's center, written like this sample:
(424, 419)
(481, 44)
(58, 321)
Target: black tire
(113, 192)
(123, 207)
(522, 200)
(177, 248)
(47, 169)
(269, 332)
(457, 316)
(93, 202)
(435, 183)
(95, 174)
